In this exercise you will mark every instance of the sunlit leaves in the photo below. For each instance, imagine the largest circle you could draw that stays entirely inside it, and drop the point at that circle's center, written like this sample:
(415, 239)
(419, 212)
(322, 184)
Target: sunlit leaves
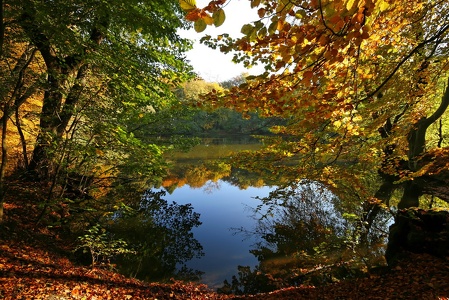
(284, 6)
(255, 3)
(350, 4)
(200, 25)
(213, 14)
(383, 5)
(340, 70)
(207, 19)
(187, 5)
(219, 17)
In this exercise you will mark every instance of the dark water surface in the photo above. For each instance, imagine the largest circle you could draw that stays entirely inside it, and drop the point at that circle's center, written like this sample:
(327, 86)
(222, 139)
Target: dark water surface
(222, 206)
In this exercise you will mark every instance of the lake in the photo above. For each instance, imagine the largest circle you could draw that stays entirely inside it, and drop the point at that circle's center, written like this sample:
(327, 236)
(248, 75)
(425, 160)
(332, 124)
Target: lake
(308, 226)
(222, 206)
(201, 178)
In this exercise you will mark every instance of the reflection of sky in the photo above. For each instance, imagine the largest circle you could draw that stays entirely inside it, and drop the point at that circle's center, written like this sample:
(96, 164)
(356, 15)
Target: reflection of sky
(221, 208)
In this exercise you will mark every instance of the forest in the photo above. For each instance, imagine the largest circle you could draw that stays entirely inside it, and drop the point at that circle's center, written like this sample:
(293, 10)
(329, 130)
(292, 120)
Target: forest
(96, 96)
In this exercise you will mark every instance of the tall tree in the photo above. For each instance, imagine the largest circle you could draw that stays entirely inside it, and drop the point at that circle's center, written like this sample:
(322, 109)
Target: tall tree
(95, 67)
(82, 45)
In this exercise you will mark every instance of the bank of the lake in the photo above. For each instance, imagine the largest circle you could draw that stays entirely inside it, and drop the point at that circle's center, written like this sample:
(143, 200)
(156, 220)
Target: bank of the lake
(34, 264)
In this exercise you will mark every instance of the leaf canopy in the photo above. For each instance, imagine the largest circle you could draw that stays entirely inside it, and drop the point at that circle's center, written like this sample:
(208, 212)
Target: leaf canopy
(354, 78)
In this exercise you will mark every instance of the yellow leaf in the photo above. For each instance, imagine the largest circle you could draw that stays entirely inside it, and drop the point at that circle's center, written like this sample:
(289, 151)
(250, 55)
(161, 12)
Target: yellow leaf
(255, 3)
(397, 28)
(208, 19)
(357, 118)
(284, 6)
(383, 5)
(350, 4)
(337, 123)
(187, 5)
(280, 25)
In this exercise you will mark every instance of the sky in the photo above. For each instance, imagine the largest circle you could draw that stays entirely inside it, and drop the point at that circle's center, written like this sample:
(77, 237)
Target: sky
(210, 64)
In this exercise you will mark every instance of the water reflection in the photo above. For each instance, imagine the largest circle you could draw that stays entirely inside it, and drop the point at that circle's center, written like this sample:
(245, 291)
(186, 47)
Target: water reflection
(305, 237)
(221, 206)
(160, 232)
(211, 161)
(300, 233)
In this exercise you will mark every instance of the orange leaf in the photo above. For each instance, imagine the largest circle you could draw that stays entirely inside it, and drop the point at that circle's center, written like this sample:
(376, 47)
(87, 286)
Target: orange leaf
(307, 75)
(193, 15)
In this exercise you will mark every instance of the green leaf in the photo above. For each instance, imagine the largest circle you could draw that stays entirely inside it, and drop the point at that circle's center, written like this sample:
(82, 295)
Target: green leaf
(247, 29)
(200, 25)
(219, 17)
(272, 28)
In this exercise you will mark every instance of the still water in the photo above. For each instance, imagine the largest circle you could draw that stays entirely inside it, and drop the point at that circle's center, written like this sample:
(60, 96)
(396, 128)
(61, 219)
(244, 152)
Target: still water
(313, 227)
(222, 207)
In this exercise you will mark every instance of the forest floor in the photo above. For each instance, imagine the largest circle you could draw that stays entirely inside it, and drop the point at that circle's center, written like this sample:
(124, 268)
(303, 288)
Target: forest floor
(34, 264)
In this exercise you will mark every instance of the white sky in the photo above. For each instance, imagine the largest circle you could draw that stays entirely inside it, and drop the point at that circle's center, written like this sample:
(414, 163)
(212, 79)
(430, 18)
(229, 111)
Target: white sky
(210, 64)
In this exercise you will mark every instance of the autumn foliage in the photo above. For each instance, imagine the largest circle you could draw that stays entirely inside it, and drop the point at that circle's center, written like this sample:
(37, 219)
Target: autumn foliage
(363, 84)
(361, 87)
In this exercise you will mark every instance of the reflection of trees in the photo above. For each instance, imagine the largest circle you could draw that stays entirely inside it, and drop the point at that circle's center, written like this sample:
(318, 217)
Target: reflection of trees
(200, 173)
(303, 222)
(244, 179)
(197, 176)
(305, 236)
(161, 234)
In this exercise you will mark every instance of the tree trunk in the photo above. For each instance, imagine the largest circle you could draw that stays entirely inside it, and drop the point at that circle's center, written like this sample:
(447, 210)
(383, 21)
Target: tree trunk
(4, 161)
(410, 196)
(2, 28)
(55, 117)
(19, 69)
(57, 108)
(22, 138)
(413, 189)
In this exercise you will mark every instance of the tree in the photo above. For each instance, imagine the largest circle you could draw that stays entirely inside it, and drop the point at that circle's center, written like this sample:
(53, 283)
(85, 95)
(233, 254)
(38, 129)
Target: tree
(19, 82)
(362, 82)
(80, 41)
(70, 56)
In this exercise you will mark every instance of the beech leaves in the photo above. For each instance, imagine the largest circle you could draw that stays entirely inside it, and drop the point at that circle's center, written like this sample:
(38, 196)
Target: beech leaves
(212, 14)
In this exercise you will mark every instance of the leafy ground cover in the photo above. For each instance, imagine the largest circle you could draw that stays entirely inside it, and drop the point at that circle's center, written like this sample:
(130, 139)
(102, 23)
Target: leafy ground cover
(34, 264)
